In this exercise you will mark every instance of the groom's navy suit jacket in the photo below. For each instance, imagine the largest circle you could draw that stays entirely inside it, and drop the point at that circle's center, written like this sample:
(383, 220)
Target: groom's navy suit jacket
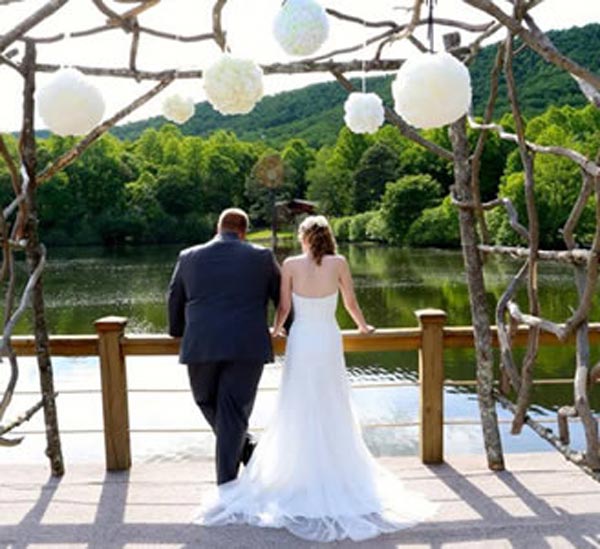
(218, 301)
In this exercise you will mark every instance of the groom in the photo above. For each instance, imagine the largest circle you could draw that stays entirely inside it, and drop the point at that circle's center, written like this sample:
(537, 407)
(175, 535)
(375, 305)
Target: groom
(217, 301)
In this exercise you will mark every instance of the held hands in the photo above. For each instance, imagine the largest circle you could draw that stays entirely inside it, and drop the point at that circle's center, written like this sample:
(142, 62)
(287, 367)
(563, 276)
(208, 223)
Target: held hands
(277, 332)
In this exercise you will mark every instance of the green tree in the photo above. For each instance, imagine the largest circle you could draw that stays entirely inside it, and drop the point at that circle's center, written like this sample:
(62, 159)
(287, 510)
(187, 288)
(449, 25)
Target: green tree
(404, 201)
(435, 227)
(299, 158)
(348, 149)
(329, 186)
(148, 147)
(149, 222)
(378, 166)
(176, 192)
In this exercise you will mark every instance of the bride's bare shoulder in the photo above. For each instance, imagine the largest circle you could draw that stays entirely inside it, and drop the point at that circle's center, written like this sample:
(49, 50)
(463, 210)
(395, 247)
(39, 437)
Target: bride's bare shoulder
(293, 260)
(336, 258)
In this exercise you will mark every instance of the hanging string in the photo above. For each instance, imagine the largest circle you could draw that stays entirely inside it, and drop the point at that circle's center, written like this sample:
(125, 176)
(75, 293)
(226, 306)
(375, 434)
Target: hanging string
(364, 60)
(67, 60)
(430, 37)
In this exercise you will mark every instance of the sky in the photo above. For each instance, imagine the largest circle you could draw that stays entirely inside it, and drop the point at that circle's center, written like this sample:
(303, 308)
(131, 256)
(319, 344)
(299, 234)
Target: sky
(248, 24)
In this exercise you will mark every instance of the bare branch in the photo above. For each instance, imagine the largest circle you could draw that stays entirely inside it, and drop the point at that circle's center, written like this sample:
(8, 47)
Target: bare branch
(6, 61)
(574, 457)
(577, 256)
(584, 194)
(536, 321)
(47, 9)
(6, 213)
(111, 27)
(581, 160)
(26, 416)
(297, 67)
(12, 382)
(392, 24)
(587, 281)
(589, 91)
(218, 33)
(479, 148)
(135, 42)
(409, 29)
(386, 36)
(506, 356)
(562, 419)
(476, 45)
(549, 54)
(513, 216)
(524, 395)
(25, 297)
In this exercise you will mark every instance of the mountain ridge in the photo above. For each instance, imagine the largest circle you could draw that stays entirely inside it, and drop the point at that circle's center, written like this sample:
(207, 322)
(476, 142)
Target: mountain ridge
(315, 112)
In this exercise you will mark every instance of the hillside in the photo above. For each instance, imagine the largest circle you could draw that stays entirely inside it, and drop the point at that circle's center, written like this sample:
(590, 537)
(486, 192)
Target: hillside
(315, 113)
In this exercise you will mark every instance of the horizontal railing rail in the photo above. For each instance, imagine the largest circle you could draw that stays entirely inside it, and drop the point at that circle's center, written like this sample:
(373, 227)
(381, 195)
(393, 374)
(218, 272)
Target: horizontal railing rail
(361, 385)
(384, 339)
(112, 345)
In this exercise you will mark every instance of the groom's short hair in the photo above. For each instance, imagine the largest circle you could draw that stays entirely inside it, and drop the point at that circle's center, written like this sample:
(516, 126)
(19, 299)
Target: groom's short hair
(233, 220)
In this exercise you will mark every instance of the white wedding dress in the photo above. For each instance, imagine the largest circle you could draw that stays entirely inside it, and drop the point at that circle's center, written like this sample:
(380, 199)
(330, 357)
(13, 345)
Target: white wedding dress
(311, 472)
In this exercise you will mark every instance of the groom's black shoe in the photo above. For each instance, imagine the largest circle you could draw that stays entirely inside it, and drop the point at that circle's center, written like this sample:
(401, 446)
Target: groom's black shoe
(247, 450)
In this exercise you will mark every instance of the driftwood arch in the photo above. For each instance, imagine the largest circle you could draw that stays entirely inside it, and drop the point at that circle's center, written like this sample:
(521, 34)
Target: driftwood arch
(19, 225)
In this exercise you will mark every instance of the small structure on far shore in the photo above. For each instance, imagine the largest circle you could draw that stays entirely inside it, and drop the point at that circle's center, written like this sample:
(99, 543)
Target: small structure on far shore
(288, 211)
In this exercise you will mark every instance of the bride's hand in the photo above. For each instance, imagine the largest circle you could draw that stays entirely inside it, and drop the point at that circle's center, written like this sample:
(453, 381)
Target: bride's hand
(280, 332)
(366, 329)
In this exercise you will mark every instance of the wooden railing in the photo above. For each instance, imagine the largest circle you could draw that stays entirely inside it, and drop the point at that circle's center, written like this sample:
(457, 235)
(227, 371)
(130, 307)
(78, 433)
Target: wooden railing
(430, 339)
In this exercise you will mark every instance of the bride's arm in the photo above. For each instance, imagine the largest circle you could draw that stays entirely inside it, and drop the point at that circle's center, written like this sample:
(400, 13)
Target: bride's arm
(349, 297)
(285, 299)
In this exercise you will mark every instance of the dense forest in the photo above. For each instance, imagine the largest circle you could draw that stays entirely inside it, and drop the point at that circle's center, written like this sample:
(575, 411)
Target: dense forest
(315, 113)
(169, 184)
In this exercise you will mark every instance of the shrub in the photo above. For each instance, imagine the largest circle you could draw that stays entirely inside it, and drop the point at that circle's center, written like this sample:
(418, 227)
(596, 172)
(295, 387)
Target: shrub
(404, 201)
(436, 227)
(358, 226)
(341, 228)
(376, 228)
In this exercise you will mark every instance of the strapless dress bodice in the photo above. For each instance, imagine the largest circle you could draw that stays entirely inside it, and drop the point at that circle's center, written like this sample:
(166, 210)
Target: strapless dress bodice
(315, 309)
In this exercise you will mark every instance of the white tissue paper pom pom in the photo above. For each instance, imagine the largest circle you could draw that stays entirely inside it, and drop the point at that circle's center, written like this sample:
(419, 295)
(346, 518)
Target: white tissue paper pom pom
(301, 27)
(177, 108)
(233, 85)
(69, 104)
(363, 112)
(432, 90)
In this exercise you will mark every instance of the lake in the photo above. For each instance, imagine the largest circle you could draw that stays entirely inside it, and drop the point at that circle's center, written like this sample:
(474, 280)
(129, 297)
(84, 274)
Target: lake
(84, 284)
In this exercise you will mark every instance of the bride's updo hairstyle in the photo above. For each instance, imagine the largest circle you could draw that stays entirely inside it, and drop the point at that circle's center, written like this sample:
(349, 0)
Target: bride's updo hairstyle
(317, 233)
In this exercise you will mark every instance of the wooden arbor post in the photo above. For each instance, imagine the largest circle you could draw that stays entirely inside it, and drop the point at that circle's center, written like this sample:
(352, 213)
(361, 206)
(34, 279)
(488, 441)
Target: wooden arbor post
(431, 378)
(115, 408)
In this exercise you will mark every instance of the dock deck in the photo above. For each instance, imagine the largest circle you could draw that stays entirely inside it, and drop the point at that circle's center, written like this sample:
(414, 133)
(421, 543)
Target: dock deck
(541, 501)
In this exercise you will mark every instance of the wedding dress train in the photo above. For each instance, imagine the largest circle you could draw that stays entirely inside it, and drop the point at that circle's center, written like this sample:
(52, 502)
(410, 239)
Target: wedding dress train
(311, 471)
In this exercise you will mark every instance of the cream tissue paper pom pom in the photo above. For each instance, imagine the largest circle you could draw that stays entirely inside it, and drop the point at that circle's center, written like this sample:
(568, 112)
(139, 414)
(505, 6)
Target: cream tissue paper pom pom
(69, 104)
(233, 85)
(301, 27)
(432, 90)
(363, 112)
(177, 108)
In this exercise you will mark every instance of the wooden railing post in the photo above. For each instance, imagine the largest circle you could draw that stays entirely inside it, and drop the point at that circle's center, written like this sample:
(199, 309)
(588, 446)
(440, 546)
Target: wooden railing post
(110, 331)
(431, 377)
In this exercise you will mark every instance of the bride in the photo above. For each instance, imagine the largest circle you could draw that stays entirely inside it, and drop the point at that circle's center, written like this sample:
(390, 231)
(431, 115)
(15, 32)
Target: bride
(311, 472)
